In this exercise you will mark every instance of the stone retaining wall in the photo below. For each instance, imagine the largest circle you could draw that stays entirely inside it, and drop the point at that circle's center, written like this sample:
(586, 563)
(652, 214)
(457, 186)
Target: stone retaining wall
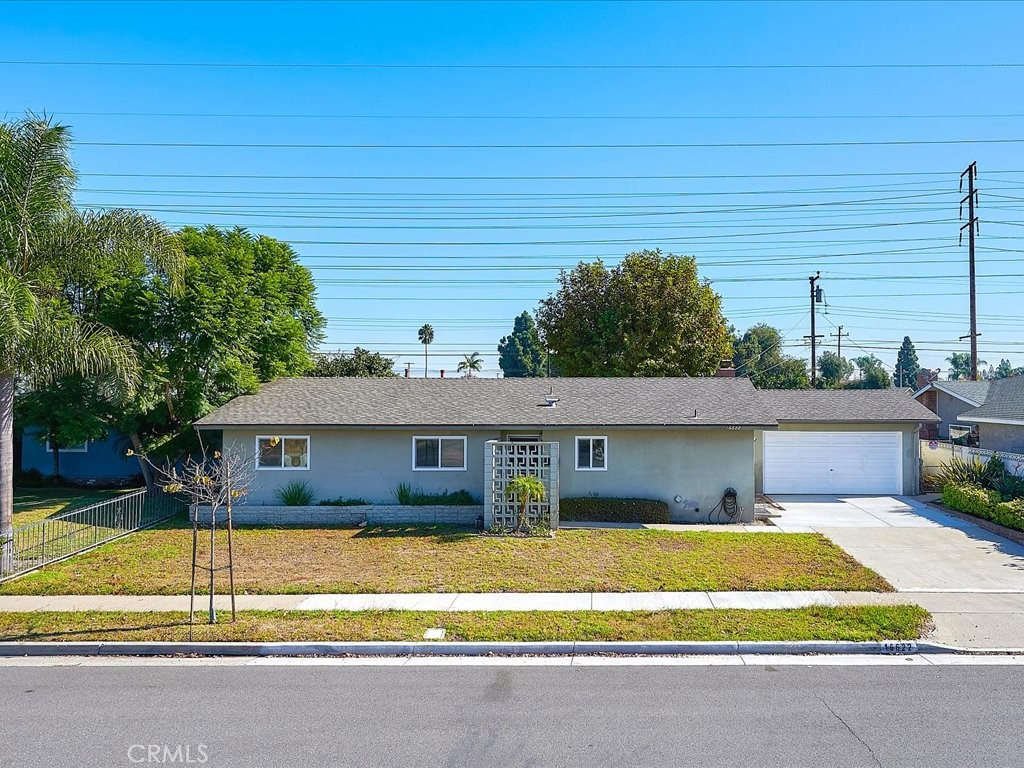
(374, 515)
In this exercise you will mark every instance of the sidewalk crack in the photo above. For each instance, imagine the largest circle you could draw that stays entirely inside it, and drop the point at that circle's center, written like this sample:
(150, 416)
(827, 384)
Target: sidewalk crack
(852, 732)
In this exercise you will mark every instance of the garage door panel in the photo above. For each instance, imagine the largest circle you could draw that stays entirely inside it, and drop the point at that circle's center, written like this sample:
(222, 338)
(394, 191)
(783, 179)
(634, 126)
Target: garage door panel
(833, 462)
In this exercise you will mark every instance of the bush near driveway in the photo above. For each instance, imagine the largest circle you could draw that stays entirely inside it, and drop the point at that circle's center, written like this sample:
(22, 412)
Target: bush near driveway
(594, 509)
(985, 504)
(380, 559)
(885, 622)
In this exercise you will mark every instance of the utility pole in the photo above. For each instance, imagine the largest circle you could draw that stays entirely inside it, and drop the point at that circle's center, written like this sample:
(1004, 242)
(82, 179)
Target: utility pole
(817, 296)
(839, 340)
(972, 228)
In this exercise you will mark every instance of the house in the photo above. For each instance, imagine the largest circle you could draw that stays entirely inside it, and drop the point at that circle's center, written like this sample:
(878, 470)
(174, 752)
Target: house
(1000, 416)
(101, 462)
(947, 400)
(686, 441)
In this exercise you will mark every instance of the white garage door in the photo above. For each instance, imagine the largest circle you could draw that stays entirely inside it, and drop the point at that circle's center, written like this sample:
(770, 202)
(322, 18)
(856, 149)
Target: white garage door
(833, 462)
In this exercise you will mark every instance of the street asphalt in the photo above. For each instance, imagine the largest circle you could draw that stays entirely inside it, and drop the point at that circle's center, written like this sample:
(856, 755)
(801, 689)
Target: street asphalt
(312, 716)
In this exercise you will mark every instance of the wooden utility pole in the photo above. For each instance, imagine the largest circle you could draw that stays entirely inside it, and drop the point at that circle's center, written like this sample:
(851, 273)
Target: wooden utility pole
(972, 228)
(839, 340)
(816, 298)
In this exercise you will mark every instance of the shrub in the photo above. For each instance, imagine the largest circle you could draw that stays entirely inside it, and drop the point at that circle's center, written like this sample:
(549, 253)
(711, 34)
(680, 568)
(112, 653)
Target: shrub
(985, 504)
(297, 493)
(407, 496)
(971, 471)
(343, 502)
(596, 509)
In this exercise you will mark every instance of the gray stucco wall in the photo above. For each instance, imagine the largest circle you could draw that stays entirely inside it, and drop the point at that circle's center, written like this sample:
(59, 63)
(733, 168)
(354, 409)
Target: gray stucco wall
(911, 446)
(949, 408)
(695, 464)
(1008, 438)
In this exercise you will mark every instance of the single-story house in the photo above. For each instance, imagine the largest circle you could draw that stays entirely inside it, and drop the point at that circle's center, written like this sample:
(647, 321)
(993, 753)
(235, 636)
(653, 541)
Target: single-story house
(103, 462)
(947, 400)
(682, 440)
(1000, 418)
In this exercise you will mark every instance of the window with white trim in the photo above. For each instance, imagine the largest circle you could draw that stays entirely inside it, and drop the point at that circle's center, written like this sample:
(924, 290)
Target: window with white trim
(591, 452)
(282, 452)
(80, 448)
(438, 453)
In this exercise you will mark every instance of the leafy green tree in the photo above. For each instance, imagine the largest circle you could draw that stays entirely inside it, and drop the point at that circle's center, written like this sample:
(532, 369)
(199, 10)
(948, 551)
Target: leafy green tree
(960, 366)
(907, 365)
(1004, 370)
(834, 371)
(69, 411)
(245, 313)
(649, 316)
(44, 243)
(757, 354)
(361, 362)
(426, 337)
(521, 353)
(471, 365)
(872, 373)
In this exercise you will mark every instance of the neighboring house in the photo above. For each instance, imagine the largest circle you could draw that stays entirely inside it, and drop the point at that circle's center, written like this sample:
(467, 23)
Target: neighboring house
(947, 400)
(96, 461)
(682, 440)
(1000, 419)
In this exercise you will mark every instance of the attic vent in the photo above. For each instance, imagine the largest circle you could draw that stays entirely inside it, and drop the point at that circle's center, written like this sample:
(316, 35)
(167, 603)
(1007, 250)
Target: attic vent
(551, 401)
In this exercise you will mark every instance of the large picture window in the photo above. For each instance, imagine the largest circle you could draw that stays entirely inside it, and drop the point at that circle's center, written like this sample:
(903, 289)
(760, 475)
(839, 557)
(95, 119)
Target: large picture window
(282, 452)
(591, 453)
(438, 453)
(80, 448)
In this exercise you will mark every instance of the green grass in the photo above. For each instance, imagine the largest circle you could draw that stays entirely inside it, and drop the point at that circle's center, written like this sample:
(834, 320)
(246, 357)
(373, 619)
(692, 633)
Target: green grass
(34, 504)
(445, 559)
(899, 622)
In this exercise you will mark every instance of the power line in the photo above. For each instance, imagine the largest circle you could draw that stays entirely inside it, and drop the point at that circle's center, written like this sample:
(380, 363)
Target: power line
(570, 177)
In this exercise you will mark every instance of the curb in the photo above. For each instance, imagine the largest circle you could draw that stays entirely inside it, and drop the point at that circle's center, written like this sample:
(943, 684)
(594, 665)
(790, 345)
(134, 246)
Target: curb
(557, 648)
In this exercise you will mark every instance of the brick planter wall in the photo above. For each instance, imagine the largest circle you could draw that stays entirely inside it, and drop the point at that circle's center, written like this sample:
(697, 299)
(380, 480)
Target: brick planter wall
(374, 515)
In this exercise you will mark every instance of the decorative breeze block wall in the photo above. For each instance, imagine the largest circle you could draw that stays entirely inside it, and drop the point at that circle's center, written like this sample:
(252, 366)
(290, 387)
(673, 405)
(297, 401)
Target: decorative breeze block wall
(504, 461)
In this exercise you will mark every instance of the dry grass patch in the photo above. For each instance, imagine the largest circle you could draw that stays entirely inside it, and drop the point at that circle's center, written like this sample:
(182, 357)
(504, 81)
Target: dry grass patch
(444, 559)
(900, 622)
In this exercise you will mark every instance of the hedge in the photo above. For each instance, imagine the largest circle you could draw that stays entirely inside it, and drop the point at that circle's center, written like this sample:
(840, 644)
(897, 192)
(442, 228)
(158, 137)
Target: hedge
(985, 504)
(595, 509)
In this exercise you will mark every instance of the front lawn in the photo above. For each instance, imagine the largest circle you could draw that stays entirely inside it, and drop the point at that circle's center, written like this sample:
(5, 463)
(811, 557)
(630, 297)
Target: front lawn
(34, 504)
(440, 559)
(893, 622)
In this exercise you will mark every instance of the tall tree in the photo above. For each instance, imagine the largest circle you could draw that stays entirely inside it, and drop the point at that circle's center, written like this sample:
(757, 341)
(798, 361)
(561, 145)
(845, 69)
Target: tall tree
(907, 365)
(872, 373)
(834, 371)
(45, 242)
(757, 354)
(361, 362)
(1004, 370)
(960, 366)
(521, 353)
(651, 315)
(471, 365)
(426, 337)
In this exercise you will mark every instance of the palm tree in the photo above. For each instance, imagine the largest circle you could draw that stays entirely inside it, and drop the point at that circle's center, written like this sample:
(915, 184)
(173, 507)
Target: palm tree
(426, 336)
(524, 489)
(46, 245)
(471, 365)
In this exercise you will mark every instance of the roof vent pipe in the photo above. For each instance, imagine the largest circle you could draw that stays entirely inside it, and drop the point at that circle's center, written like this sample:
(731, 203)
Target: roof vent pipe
(551, 401)
(442, 373)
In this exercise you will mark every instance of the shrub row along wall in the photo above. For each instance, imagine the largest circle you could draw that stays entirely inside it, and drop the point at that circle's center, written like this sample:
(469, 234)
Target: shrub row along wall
(984, 504)
(374, 515)
(594, 509)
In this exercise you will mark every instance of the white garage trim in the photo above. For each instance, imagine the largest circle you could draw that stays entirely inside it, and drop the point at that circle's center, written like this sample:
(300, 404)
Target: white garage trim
(833, 462)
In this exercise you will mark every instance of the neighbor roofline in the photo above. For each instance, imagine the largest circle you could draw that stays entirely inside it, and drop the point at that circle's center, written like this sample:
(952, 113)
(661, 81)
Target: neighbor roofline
(990, 420)
(938, 385)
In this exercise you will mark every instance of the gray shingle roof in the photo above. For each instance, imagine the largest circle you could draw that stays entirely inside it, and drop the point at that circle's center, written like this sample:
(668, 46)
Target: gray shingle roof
(975, 391)
(493, 402)
(845, 405)
(355, 402)
(1005, 401)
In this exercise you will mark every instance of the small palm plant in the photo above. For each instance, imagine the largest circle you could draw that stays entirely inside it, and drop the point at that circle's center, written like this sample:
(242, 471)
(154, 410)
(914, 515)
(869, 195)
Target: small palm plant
(471, 365)
(524, 489)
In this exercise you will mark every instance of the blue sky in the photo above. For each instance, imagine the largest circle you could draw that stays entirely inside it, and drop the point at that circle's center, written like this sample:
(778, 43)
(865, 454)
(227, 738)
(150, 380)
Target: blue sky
(468, 254)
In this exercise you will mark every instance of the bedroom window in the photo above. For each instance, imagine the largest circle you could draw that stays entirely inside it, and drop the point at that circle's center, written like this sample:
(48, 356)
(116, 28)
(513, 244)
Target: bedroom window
(282, 452)
(591, 453)
(438, 453)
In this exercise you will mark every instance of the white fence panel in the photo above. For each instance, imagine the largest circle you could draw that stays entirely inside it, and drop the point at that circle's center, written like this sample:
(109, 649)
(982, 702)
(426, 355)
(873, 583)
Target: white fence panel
(936, 454)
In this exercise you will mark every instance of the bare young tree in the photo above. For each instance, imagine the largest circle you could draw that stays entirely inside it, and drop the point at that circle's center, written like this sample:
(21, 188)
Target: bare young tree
(213, 483)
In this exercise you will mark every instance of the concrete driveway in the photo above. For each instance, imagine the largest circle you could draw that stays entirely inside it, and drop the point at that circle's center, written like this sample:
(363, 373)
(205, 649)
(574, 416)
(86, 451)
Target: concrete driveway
(914, 546)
